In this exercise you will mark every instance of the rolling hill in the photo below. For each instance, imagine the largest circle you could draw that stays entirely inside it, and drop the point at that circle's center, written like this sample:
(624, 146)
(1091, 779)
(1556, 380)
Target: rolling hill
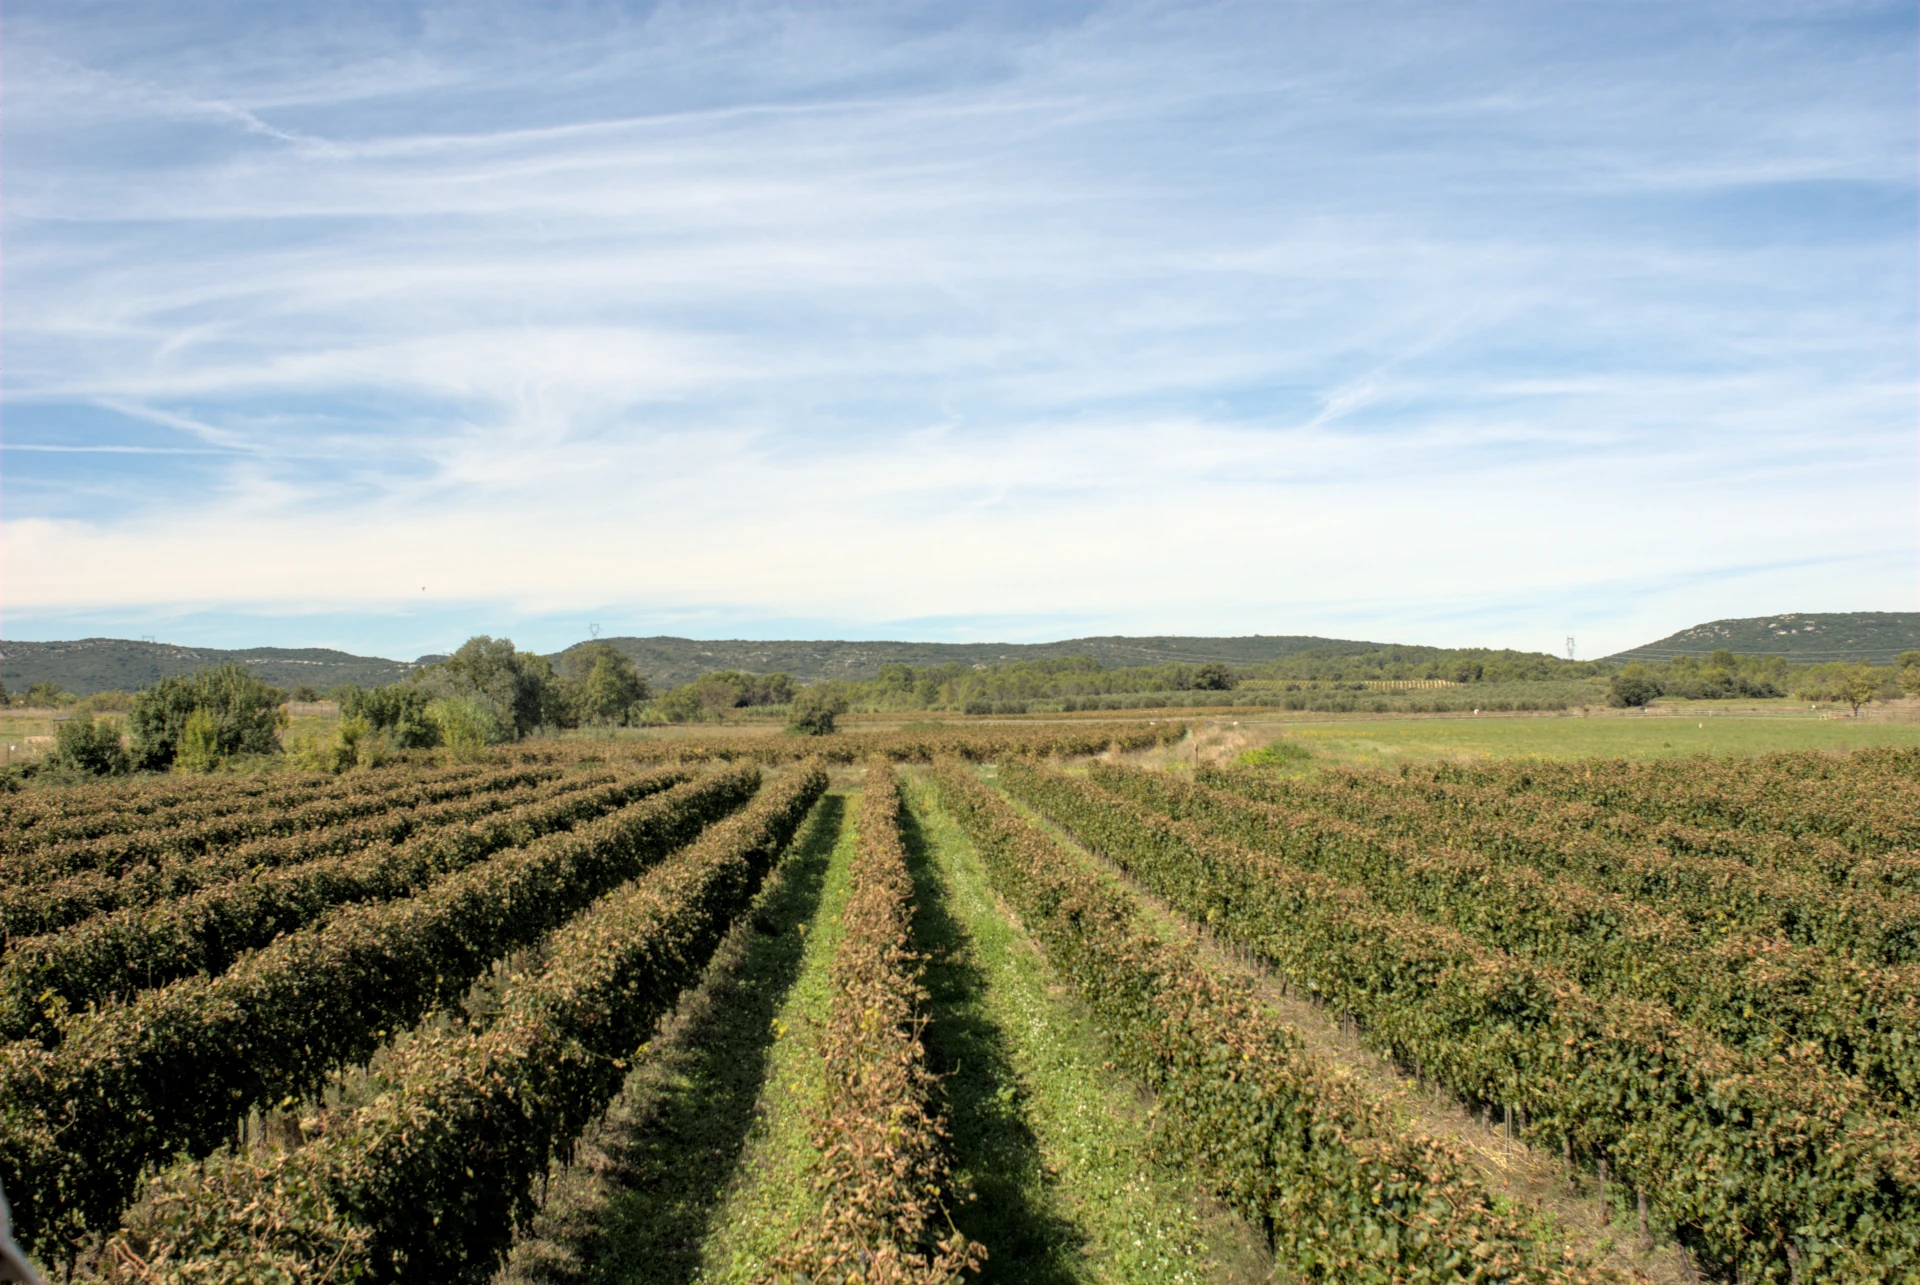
(669, 661)
(87, 665)
(1805, 638)
(90, 665)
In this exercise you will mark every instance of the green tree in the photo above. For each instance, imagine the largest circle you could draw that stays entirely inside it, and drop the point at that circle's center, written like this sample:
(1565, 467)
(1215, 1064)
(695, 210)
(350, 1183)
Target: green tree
(518, 688)
(242, 713)
(1907, 672)
(611, 688)
(89, 745)
(1856, 686)
(1633, 687)
(814, 709)
(1213, 677)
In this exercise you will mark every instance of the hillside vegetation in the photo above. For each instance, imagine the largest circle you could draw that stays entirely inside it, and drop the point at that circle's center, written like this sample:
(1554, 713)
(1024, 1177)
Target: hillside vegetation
(1806, 638)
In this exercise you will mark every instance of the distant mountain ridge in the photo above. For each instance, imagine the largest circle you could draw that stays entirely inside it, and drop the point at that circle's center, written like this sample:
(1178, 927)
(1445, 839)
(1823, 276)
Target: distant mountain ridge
(669, 661)
(1803, 637)
(87, 665)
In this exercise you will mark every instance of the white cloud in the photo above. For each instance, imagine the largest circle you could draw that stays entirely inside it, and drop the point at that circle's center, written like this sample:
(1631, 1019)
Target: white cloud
(1175, 317)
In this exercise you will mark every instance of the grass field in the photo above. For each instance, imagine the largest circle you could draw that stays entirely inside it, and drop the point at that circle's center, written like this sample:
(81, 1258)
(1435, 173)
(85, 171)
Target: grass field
(1347, 741)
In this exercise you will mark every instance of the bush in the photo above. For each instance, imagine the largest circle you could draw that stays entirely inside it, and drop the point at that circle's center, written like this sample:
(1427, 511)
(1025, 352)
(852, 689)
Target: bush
(83, 744)
(47, 696)
(353, 743)
(398, 713)
(199, 747)
(1633, 687)
(241, 715)
(814, 709)
(1213, 677)
(466, 727)
(1278, 754)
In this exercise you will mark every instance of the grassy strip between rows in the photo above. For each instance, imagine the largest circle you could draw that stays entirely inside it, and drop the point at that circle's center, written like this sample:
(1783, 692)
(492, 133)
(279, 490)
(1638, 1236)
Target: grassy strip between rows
(1757, 993)
(113, 956)
(1765, 1165)
(116, 853)
(641, 1194)
(1051, 1138)
(101, 808)
(174, 1068)
(1342, 1194)
(768, 1194)
(428, 1180)
(881, 1177)
(31, 909)
(1878, 919)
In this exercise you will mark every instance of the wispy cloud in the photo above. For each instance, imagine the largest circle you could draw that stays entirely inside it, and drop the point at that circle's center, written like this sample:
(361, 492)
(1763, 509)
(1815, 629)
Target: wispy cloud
(1103, 317)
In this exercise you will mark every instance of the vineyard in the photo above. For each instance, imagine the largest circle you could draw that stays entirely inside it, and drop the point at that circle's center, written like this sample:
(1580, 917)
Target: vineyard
(1016, 1003)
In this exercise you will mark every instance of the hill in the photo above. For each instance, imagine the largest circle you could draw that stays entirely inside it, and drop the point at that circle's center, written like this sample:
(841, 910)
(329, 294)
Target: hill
(1805, 638)
(670, 661)
(89, 665)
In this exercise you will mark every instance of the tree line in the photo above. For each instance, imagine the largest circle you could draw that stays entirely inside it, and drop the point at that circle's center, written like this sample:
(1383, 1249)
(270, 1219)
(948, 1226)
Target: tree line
(1723, 675)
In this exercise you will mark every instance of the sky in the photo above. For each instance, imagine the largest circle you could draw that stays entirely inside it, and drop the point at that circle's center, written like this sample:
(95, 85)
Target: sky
(378, 324)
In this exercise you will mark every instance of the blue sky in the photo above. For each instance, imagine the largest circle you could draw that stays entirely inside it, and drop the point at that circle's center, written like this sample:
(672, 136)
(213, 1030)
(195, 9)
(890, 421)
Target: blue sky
(377, 324)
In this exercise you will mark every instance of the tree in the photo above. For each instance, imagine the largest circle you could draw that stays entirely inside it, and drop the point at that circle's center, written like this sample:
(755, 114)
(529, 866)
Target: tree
(518, 688)
(1908, 672)
(611, 689)
(1213, 677)
(84, 744)
(1633, 687)
(1856, 686)
(241, 716)
(814, 709)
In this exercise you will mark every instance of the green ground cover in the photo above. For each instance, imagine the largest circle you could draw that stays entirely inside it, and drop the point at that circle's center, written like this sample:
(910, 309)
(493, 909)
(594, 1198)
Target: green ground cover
(771, 1192)
(1054, 1141)
(1638, 736)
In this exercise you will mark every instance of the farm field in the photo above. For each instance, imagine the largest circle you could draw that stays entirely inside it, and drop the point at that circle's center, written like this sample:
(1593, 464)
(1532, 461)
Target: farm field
(1022, 1001)
(1665, 734)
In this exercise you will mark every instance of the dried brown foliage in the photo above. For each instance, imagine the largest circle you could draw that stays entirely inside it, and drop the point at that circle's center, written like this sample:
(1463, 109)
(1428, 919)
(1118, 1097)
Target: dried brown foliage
(882, 1173)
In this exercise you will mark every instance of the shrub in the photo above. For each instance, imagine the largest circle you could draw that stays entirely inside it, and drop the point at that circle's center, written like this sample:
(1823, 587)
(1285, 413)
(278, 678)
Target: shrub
(465, 726)
(814, 709)
(199, 747)
(84, 744)
(242, 715)
(1633, 687)
(47, 696)
(1213, 677)
(399, 713)
(1278, 754)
